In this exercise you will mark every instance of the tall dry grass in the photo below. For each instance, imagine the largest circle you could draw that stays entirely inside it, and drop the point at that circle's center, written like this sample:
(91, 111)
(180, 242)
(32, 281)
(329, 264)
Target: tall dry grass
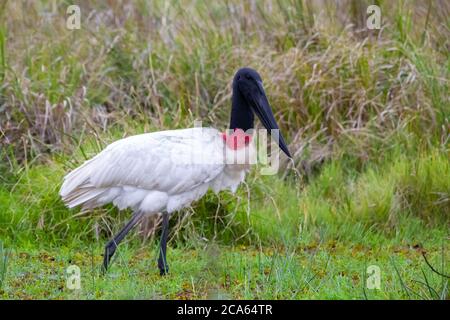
(165, 64)
(340, 93)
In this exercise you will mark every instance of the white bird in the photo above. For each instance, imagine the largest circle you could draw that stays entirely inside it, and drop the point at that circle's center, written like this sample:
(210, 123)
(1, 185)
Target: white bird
(166, 171)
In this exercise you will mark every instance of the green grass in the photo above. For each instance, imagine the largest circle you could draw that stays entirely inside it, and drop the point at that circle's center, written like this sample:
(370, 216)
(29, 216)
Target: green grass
(366, 115)
(328, 270)
(311, 242)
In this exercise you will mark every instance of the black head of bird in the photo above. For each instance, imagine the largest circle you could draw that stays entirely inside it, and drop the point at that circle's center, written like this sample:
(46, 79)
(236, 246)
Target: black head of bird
(249, 98)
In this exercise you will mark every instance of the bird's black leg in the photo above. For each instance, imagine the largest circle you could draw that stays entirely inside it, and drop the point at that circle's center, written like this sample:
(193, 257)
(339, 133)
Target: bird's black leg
(111, 246)
(162, 262)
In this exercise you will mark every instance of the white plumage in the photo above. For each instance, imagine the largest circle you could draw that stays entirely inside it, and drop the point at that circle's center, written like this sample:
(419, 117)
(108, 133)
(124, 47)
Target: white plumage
(167, 170)
(157, 172)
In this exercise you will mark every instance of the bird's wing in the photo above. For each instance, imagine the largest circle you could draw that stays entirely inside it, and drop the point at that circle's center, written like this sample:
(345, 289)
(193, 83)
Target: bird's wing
(173, 162)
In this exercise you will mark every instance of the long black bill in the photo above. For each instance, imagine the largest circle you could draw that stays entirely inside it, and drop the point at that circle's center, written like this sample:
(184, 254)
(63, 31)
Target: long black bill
(261, 106)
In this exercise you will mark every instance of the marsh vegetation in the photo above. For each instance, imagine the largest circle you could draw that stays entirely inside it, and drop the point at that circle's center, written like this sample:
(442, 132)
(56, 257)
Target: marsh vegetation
(365, 112)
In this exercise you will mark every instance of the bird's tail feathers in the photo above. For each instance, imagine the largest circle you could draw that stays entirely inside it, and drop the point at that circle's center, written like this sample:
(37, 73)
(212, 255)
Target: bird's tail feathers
(77, 189)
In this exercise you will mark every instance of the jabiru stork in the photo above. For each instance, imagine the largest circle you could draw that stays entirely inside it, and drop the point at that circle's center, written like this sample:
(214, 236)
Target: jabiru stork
(158, 172)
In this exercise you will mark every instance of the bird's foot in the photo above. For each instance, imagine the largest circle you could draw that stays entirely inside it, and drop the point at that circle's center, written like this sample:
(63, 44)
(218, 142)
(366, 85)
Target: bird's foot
(163, 268)
(110, 249)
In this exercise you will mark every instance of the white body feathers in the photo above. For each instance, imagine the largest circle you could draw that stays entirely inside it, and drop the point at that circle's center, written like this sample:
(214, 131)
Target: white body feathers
(156, 172)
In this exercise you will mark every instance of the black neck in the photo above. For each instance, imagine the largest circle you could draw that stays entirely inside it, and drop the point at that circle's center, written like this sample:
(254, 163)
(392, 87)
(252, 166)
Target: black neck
(241, 115)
